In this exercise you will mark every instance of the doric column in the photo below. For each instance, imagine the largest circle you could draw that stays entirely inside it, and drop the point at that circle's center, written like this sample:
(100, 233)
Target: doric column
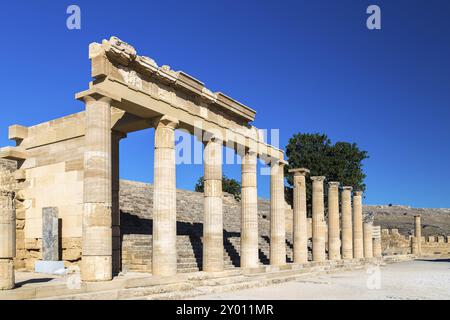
(346, 206)
(300, 218)
(318, 219)
(164, 258)
(417, 243)
(96, 264)
(334, 241)
(358, 248)
(249, 211)
(277, 215)
(7, 238)
(213, 215)
(368, 249)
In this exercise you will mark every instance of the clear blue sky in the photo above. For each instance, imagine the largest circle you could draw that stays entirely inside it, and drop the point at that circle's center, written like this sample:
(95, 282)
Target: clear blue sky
(308, 66)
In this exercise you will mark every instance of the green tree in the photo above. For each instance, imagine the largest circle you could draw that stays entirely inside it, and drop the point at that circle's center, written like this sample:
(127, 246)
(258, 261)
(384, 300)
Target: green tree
(342, 161)
(230, 186)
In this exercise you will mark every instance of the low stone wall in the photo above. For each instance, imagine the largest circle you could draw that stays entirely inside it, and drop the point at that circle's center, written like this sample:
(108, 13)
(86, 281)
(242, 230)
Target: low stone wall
(394, 243)
(436, 245)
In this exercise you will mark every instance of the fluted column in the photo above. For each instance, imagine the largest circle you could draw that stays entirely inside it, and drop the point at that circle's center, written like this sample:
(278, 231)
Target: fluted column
(417, 244)
(358, 247)
(277, 215)
(318, 219)
(368, 249)
(249, 211)
(334, 241)
(376, 243)
(300, 218)
(346, 234)
(7, 238)
(164, 254)
(96, 263)
(213, 215)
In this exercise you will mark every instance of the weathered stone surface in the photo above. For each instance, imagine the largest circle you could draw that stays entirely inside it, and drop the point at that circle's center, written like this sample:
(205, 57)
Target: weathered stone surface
(300, 228)
(7, 228)
(97, 192)
(164, 204)
(347, 225)
(50, 234)
(358, 247)
(249, 212)
(277, 215)
(6, 274)
(318, 219)
(213, 207)
(334, 241)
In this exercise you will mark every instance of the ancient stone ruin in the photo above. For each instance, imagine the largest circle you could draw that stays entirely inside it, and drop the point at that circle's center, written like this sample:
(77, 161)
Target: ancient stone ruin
(107, 226)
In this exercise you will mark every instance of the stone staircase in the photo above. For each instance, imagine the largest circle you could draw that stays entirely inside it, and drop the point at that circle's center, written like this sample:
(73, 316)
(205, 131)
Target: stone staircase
(136, 202)
(186, 286)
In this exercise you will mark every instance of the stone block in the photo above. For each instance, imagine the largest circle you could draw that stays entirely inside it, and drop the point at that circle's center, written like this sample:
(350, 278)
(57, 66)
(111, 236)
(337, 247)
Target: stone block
(6, 274)
(49, 267)
(50, 234)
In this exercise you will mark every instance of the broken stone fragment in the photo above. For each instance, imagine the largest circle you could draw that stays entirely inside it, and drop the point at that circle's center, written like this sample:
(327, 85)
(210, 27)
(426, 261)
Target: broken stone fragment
(119, 51)
(146, 65)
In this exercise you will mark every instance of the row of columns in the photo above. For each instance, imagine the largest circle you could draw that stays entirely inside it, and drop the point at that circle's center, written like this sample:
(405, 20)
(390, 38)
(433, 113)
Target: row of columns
(348, 237)
(97, 250)
(100, 185)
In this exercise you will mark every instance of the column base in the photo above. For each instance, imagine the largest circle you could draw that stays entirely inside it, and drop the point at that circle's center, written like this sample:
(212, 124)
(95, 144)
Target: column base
(96, 268)
(7, 280)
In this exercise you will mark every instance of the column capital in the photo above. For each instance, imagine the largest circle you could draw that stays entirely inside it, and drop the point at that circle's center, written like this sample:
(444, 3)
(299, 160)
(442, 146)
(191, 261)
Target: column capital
(251, 151)
(358, 193)
(417, 216)
(96, 94)
(166, 121)
(334, 184)
(299, 171)
(318, 178)
(212, 137)
(347, 188)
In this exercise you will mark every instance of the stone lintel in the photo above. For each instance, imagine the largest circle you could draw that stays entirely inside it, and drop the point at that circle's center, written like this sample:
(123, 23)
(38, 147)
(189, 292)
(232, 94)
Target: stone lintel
(235, 106)
(299, 171)
(13, 153)
(189, 82)
(17, 132)
(96, 93)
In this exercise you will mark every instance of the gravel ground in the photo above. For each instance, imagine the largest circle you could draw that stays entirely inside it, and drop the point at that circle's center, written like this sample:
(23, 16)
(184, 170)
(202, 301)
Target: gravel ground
(412, 280)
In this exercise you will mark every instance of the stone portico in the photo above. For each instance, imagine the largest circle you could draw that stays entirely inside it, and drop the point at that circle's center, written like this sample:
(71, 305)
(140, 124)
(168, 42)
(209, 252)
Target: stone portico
(72, 163)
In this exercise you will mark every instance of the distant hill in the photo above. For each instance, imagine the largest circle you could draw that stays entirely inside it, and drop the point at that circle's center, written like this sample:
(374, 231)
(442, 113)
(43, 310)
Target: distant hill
(434, 221)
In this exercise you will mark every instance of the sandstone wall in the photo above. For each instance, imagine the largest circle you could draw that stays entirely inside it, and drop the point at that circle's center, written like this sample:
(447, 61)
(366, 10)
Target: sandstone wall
(394, 243)
(51, 176)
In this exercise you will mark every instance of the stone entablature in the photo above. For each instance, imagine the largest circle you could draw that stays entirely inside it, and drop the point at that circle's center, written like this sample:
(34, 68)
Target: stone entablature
(145, 91)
